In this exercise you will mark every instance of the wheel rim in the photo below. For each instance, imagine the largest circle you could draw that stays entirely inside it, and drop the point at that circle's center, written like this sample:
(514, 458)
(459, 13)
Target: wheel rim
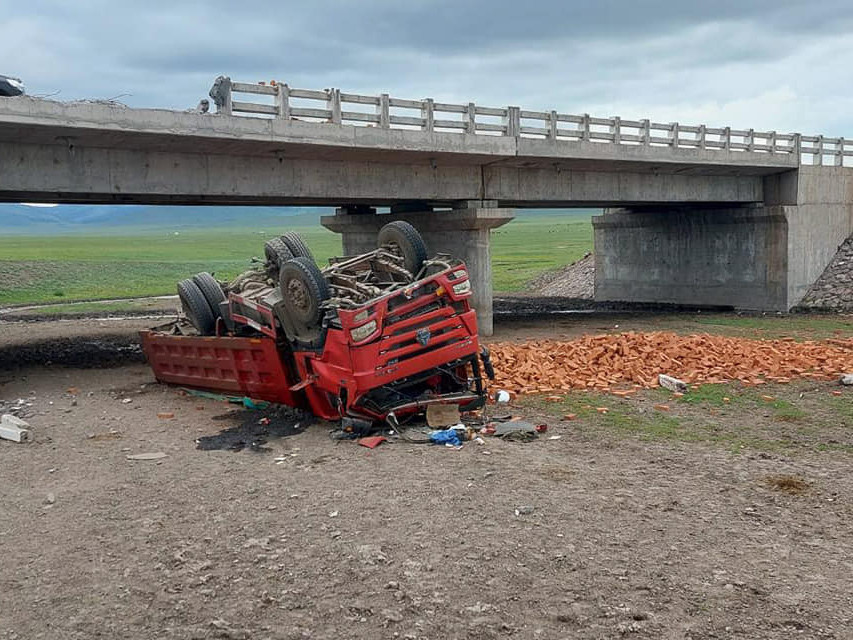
(298, 293)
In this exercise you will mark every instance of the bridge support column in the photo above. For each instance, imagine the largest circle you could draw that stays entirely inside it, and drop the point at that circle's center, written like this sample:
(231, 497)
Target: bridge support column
(734, 257)
(463, 232)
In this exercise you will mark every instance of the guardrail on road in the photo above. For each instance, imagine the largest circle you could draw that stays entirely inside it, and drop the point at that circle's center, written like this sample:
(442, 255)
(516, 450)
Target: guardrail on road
(336, 107)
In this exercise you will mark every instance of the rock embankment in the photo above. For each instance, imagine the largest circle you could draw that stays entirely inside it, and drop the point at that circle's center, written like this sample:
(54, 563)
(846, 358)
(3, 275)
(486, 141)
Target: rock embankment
(575, 280)
(833, 291)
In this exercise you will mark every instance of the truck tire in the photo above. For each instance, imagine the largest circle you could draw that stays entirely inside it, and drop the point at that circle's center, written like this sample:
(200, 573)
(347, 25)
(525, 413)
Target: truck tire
(212, 292)
(303, 289)
(404, 239)
(297, 245)
(196, 309)
(276, 253)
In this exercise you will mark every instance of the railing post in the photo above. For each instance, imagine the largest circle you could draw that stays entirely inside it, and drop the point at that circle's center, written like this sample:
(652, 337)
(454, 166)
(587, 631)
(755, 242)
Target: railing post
(727, 139)
(225, 109)
(839, 153)
(333, 104)
(282, 101)
(674, 129)
(585, 127)
(646, 132)
(773, 142)
(552, 126)
(471, 124)
(818, 157)
(428, 114)
(512, 121)
(750, 140)
(616, 129)
(700, 137)
(383, 110)
(797, 144)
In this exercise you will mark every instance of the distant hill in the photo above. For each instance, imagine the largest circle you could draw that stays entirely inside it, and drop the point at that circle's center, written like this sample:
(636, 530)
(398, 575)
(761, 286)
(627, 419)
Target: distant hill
(22, 219)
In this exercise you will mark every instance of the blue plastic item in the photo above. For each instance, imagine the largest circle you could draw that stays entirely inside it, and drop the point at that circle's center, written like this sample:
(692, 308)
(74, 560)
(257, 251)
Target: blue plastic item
(446, 436)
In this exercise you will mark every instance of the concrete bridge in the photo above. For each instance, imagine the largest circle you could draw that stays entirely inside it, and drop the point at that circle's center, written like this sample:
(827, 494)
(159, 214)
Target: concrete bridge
(696, 215)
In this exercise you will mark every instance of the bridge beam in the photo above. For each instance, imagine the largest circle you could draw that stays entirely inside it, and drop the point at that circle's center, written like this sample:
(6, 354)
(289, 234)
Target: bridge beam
(463, 232)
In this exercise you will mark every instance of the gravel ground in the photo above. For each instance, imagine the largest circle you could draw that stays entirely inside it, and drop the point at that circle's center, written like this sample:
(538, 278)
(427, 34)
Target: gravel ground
(592, 535)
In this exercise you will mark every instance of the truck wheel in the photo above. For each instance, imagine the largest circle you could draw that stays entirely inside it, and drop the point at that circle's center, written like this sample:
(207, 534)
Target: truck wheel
(195, 307)
(404, 239)
(297, 246)
(276, 253)
(303, 289)
(211, 290)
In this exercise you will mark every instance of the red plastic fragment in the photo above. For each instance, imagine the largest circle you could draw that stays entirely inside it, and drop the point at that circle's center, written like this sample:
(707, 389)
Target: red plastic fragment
(372, 442)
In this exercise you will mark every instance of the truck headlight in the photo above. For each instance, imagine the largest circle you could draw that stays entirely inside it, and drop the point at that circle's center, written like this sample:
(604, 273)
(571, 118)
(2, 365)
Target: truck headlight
(462, 287)
(361, 333)
(460, 273)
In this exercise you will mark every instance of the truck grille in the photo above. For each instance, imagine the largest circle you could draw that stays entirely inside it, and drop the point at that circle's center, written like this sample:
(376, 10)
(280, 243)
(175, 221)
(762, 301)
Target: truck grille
(419, 323)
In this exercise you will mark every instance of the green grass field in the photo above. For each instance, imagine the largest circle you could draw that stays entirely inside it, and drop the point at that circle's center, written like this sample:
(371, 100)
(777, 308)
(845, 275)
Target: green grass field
(43, 269)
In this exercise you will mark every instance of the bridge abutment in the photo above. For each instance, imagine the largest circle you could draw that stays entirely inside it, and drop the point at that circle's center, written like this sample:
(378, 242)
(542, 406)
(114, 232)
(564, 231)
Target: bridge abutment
(463, 232)
(710, 257)
(758, 257)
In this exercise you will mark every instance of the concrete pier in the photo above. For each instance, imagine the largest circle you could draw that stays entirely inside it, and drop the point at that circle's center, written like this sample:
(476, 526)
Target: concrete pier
(463, 232)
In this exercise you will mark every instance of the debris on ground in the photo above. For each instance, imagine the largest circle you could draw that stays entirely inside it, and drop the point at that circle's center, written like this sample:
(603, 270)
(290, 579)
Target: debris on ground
(154, 455)
(846, 379)
(603, 362)
(673, 384)
(371, 442)
(247, 402)
(256, 428)
(787, 483)
(14, 429)
(442, 415)
(452, 436)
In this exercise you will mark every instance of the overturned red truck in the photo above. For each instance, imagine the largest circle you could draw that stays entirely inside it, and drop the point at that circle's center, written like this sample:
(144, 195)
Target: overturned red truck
(389, 331)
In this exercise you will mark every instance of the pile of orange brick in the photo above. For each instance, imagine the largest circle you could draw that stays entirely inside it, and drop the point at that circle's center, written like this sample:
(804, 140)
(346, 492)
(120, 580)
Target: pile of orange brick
(619, 361)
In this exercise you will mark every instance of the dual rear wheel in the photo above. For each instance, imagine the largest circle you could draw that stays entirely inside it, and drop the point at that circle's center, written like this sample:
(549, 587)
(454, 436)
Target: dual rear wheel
(302, 284)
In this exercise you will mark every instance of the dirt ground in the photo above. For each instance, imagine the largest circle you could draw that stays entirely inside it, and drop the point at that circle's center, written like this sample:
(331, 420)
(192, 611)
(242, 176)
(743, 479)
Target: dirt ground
(626, 524)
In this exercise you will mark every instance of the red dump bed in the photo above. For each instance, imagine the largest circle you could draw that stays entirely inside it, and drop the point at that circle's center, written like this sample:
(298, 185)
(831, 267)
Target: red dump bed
(240, 366)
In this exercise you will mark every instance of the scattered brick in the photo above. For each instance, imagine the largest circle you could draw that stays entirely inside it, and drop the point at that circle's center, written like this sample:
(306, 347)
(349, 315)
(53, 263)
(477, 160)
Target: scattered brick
(604, 362)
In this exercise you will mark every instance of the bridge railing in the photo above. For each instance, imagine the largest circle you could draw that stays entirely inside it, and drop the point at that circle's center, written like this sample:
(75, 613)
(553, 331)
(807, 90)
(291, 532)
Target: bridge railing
(383, 111)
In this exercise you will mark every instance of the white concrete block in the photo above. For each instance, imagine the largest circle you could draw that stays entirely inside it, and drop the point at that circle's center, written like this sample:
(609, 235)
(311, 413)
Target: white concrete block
(13, 428)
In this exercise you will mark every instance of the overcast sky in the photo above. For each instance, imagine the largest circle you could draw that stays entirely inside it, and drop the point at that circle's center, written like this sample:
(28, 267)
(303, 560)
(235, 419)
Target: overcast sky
(771, 64)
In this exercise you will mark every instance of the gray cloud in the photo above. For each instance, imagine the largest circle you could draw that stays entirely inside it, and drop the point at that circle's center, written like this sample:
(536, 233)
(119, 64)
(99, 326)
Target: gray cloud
(763, 63)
